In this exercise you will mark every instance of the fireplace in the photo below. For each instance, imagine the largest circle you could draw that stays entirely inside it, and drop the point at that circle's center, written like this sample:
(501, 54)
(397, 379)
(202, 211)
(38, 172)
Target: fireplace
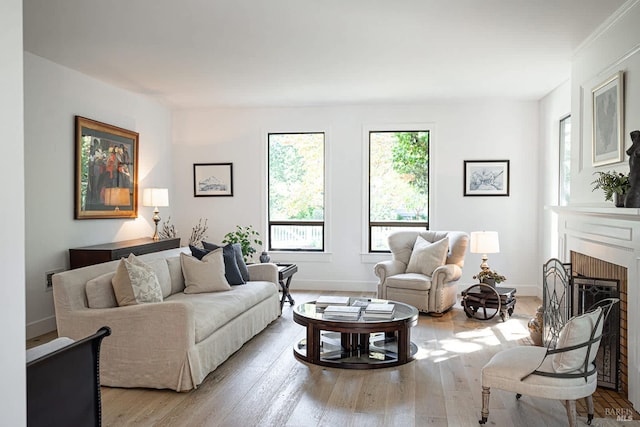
(586, 292)
(604, 243)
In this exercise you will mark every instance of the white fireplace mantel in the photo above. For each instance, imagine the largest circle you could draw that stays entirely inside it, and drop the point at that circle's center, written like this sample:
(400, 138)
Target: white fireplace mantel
(613, 235)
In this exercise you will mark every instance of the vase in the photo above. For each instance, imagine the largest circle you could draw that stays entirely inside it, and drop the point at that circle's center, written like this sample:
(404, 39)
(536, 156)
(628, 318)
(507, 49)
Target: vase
(618, 199)
(490, 282)
(264, 257)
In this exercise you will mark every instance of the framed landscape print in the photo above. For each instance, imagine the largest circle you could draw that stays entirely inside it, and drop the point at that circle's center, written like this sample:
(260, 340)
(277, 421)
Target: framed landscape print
(106, 171)
(212, 179)
(486, 177)
(608, 114)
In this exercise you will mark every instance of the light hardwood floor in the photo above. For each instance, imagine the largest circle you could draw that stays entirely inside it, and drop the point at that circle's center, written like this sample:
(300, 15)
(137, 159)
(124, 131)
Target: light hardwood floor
(264, 385)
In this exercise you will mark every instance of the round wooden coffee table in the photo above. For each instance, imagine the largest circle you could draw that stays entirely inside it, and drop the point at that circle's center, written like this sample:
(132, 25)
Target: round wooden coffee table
(356, 344)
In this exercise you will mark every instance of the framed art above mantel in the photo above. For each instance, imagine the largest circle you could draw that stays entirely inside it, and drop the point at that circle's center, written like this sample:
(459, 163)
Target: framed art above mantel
(607, 142)
(106, 171)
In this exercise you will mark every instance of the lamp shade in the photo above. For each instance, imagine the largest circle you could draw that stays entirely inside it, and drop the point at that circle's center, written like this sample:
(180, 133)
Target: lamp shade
(116, 196)
(155, 197)
(484, 242)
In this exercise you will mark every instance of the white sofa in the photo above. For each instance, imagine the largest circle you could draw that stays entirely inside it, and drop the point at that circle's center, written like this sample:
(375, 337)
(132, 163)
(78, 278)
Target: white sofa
(172, 344)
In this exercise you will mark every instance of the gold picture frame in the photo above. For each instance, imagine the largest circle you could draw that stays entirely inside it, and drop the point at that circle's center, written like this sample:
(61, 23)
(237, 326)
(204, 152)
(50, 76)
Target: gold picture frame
(106, 171)
(607, 141)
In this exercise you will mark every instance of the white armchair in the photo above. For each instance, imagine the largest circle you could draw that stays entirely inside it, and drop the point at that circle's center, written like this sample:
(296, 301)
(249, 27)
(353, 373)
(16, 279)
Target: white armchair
(426, 277)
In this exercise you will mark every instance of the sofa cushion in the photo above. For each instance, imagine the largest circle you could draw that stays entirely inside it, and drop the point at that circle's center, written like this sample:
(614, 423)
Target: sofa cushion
(231, 269)
(135, 282)
(576, 331)
(427, 256)
(100, 292)
(416, 281)
(214, 310)
(175, 272)
(206, 275)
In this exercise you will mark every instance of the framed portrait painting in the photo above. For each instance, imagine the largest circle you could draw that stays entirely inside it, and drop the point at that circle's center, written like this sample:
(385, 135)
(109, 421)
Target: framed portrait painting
(608, 115)
(212, 179)
(486, 177)
(106, 171)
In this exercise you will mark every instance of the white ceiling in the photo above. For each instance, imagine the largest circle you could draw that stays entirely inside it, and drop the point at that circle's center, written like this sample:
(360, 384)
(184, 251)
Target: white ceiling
(202, 53)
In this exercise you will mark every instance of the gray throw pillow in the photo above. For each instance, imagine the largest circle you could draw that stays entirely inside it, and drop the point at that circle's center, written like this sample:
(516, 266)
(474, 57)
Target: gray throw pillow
(231, 270)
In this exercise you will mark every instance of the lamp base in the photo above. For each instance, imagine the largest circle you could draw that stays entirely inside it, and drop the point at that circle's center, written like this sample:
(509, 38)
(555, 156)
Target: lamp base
(156, 219)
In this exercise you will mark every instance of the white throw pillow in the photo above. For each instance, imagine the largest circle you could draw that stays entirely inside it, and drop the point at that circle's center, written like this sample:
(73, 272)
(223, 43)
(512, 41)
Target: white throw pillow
(206, 275)
(576, 331)
(135, 283)
(427, 256)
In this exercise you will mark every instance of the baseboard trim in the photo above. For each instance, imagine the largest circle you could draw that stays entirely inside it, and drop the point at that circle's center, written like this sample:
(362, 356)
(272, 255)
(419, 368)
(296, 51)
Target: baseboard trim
(41, 327)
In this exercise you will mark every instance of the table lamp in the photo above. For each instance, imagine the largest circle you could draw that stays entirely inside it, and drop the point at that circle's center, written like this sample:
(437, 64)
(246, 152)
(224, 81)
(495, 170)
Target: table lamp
(155, 197)
(484, 242)
(116, 196)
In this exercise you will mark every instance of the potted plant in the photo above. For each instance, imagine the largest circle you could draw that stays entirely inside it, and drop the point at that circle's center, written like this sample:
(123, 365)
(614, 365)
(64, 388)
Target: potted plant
(247, 237)
(614, 184)
(490, 277)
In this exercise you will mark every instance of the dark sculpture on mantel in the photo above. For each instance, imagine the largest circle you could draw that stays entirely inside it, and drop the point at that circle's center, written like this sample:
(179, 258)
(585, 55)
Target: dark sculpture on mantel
(632, 199)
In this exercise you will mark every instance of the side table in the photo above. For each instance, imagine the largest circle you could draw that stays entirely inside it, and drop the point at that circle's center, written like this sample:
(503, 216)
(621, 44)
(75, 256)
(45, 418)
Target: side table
(286, 272)
(483, 302)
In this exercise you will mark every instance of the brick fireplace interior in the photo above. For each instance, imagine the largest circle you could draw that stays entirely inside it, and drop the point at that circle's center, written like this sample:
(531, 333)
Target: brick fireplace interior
(589, 266)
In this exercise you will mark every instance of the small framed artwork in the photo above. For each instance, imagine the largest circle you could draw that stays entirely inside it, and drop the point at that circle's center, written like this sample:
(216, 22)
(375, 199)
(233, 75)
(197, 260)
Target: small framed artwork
(608, 116)
(212, 179)
(106, 171)
(486, 177)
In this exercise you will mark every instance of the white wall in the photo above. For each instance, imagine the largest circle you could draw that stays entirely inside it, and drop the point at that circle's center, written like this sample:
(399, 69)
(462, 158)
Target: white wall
(553, 107)
(53, 95)
(614, 47)
(12, 359)
(469, 130)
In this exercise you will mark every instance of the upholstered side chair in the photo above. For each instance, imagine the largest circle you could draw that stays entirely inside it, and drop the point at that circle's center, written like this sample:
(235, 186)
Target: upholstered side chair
(566, 373)
(424, 269)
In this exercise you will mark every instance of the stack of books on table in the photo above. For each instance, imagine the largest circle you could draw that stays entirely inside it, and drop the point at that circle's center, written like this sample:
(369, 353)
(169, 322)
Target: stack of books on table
(327, 300)
(376, 311)
(341, 312)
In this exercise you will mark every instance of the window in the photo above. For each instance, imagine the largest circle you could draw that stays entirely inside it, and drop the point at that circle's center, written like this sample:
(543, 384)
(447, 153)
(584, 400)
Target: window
(296, 191)
(398, 184)
(565, 161)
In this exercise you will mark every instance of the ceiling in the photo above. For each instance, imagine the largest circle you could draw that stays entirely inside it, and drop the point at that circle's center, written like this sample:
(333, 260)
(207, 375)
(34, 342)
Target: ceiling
(246, 53)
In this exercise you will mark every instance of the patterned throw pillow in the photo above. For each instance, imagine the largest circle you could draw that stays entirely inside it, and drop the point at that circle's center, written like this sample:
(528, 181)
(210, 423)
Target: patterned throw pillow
(135, 283)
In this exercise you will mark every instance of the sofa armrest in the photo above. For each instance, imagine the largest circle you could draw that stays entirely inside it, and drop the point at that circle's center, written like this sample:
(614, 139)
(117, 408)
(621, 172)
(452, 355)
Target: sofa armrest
(263, 272)
(388, 268)
(149, 326)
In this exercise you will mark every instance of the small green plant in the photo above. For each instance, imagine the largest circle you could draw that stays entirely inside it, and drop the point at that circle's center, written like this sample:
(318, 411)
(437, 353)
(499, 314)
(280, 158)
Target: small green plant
(247, 237)
(490, 274)
(611, 183)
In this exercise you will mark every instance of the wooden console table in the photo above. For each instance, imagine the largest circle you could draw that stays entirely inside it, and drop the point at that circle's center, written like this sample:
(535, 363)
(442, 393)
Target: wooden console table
(90, 255)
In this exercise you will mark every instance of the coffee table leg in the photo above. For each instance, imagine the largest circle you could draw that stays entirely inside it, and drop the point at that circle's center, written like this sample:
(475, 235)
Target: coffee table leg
(404, 345)
(313, 344)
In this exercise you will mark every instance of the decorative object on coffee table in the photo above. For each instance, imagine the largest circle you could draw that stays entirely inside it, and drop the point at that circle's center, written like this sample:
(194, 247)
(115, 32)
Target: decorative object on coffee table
(155, 197)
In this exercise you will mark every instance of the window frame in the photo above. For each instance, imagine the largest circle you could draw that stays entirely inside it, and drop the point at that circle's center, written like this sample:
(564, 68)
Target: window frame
(322, 223)
(367, 206)
(561, 159)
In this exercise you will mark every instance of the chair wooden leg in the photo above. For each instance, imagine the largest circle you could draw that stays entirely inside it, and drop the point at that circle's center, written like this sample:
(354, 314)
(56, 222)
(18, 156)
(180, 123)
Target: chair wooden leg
(572, 415)
(590, 409)
(485, 405)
